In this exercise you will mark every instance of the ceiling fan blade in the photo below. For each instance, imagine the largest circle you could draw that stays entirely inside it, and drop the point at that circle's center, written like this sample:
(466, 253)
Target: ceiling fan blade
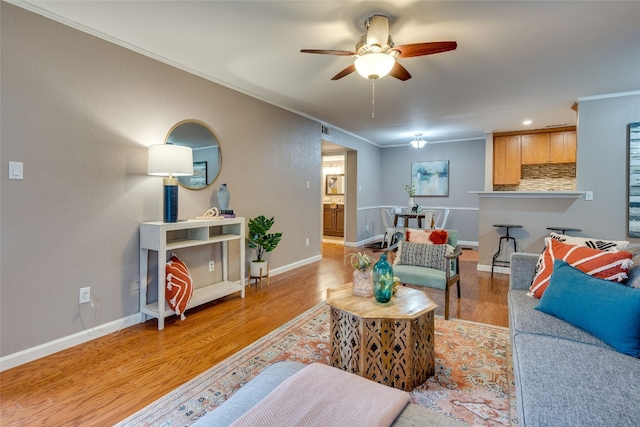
(328, 52)
(399, 72)
(421, 49)
(378, 31)
(350, 69)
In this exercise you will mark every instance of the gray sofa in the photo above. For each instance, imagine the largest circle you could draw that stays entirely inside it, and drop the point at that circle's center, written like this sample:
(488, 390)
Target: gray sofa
(564, 375)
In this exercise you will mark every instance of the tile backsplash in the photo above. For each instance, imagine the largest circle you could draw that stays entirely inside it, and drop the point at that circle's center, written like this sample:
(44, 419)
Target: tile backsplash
(560, 177)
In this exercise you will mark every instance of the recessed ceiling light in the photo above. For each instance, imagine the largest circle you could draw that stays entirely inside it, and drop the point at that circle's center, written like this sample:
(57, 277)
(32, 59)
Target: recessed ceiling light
(527, 122)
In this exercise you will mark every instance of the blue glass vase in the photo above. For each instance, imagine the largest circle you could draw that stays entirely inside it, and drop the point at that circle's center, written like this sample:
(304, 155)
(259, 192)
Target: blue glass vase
(382, 280)
(223, 197)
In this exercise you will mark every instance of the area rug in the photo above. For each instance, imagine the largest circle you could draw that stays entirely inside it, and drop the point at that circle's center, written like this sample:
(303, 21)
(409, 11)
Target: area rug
(473, 381)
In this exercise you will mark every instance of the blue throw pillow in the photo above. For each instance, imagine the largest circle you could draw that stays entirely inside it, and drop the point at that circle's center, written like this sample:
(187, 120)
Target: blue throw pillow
(608, 310)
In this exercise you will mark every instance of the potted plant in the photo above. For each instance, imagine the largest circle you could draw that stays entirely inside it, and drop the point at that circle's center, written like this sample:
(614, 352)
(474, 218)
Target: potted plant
(362, 278)
(262, 242)
(411, 191)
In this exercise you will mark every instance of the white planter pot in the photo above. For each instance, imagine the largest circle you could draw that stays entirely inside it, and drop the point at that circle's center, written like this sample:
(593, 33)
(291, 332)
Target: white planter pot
(256, 267)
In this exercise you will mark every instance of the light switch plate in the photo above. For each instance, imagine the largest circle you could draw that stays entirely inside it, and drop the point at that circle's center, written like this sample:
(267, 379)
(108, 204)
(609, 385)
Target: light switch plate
(588, 195)
(15, 170)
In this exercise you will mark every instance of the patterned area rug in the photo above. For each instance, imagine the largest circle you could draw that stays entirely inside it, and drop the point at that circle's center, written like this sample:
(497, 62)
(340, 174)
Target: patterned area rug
(473, 382)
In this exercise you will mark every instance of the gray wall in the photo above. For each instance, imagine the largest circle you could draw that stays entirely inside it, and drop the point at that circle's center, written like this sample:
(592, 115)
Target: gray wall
(80, 112)
(601, 167)
(466, 173)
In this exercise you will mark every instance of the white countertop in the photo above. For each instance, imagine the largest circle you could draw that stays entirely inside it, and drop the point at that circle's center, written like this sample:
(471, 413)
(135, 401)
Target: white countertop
(531, 194)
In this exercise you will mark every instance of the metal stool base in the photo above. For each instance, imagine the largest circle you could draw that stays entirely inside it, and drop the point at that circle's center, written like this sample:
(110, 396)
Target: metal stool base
(506, 239)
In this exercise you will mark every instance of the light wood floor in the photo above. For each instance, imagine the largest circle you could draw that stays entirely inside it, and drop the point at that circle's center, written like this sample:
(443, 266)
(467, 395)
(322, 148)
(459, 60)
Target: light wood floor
(104, 381)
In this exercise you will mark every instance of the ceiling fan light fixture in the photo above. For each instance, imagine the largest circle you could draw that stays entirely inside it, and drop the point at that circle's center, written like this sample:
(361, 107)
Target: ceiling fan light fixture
(418, 142)
(374, 66)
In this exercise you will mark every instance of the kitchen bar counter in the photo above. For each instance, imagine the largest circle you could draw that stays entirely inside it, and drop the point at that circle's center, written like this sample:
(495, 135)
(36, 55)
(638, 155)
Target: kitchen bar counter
(531, 194)
(535, 211)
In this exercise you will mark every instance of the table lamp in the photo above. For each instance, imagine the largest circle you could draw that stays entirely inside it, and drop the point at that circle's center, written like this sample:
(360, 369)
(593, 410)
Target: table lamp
(170, 160)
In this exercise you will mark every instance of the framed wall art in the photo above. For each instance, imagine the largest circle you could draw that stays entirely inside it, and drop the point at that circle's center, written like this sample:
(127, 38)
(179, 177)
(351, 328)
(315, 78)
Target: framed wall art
(431, 178)
(199, 177)
(634, 179)
(335, 185)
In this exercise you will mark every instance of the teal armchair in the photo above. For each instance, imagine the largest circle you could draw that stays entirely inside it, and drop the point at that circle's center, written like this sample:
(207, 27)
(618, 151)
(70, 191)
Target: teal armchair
(433, 278)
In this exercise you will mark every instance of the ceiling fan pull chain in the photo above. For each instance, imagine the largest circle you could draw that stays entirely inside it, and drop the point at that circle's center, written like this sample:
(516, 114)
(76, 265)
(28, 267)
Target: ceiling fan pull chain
(373, 99)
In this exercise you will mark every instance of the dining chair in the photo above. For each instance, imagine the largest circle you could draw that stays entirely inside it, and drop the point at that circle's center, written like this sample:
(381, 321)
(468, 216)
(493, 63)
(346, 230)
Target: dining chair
(441, 221)
(438, 219)
(428, 218)
(400, 220)
(389, 229)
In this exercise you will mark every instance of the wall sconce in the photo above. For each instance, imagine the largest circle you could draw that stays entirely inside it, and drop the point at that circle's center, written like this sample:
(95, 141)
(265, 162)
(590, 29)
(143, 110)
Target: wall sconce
(418, 142)
(170, 160)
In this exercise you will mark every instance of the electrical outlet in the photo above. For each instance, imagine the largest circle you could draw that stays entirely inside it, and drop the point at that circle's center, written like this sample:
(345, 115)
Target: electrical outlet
(307, 241)
(85, 295)
(135, 285)
(366, 227)
(212, 266)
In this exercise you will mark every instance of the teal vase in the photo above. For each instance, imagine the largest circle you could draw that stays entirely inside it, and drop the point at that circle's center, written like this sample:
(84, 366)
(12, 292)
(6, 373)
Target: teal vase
(382, 280)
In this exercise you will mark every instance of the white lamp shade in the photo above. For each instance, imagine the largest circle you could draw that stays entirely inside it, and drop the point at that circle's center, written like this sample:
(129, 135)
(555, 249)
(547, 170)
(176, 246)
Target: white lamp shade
(374, 65)
(170, 159)
(418, 142)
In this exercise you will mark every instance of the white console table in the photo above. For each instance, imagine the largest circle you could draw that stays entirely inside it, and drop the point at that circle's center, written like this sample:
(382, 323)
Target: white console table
(165, 237)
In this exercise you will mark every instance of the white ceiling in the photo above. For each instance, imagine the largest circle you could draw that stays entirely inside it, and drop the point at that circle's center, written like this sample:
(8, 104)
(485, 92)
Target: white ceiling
(515, 60)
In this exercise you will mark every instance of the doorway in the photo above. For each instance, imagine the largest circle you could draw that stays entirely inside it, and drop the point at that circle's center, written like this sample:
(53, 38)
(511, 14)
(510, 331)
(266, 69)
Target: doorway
(334, 192)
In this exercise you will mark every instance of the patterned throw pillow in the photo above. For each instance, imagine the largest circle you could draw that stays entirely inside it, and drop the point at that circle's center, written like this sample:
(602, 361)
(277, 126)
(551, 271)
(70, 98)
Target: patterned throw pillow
(602, 264)
(589, 242)
(429, 237)
(603, 245)
(633, 279)
(422, 255)
(179, 286)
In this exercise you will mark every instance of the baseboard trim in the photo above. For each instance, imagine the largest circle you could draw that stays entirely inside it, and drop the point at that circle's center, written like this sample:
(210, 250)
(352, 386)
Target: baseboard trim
(484, 267)
(295, 265)
(47, 349)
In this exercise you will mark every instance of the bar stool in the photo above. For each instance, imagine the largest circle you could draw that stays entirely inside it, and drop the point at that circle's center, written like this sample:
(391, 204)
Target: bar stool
(506, 238)
(564, 230)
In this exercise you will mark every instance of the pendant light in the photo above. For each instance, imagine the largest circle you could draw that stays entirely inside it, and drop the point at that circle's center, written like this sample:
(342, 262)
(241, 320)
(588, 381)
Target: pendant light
(418, 142)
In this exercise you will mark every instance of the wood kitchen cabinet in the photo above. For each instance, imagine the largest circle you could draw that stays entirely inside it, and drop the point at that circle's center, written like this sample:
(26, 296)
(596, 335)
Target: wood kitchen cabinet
(562, 147)
(333, 219)
(550, 147)
(506, 160)
(534, 149)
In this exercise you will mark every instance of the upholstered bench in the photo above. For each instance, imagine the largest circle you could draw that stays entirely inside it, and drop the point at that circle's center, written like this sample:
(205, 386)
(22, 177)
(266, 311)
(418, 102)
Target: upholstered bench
(257, 389)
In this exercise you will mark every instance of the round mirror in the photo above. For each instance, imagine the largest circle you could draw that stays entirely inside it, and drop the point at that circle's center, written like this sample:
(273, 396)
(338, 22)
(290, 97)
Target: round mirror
(207, 156)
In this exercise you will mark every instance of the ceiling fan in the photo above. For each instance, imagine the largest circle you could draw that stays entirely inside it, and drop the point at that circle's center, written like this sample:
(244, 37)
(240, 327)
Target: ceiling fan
(376, 54)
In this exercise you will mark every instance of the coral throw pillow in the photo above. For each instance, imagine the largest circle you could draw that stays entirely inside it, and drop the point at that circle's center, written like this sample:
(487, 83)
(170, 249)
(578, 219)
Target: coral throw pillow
(179, 286)
(429, 237)
(606, 265)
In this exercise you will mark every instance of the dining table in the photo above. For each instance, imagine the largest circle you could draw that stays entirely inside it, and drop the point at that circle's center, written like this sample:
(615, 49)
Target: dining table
(409, 216)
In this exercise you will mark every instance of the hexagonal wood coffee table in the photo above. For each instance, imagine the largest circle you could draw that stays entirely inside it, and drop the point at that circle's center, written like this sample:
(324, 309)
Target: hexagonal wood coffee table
(390, 343)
